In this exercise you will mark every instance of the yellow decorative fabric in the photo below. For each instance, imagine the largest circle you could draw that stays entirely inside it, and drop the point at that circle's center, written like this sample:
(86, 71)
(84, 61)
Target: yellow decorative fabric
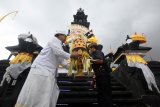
(113, 69)
(93, 39)
(21, 58)
(135, 58)
(67, 40)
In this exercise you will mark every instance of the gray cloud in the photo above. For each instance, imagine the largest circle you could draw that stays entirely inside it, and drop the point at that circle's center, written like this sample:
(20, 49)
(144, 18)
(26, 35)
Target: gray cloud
(111, 20)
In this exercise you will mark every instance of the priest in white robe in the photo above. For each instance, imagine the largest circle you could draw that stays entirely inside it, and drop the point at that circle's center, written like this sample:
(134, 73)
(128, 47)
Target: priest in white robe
(40, 88)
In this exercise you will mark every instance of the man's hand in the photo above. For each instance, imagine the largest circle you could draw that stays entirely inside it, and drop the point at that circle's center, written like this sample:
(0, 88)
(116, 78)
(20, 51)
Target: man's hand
(75, 55)
(96, 61)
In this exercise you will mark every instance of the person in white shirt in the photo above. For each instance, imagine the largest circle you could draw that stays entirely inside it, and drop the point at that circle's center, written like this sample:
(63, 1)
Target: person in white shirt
(40, 88)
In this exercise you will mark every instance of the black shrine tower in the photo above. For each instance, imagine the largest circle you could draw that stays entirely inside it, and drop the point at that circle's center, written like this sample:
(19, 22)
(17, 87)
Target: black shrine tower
(80, 18)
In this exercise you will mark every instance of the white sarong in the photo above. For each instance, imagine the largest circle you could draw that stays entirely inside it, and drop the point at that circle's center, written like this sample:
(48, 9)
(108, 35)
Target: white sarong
(39, 90)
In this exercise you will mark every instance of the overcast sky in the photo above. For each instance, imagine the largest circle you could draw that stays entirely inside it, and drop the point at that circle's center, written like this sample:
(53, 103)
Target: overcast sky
(111, 20)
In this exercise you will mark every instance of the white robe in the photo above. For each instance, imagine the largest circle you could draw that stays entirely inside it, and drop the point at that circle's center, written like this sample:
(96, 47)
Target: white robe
(40, 88)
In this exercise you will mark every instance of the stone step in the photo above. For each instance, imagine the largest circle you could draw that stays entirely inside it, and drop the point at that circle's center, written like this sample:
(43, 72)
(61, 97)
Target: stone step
(93, 101)
(84, 88)
(72, 79)
(88, 83)
(80, 94)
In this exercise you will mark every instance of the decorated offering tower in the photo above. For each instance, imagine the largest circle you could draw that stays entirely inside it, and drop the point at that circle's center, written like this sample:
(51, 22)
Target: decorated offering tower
(78, 39)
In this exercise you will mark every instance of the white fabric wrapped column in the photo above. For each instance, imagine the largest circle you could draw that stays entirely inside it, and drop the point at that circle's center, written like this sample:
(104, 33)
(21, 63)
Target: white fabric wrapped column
(14, 70)
(149, 76)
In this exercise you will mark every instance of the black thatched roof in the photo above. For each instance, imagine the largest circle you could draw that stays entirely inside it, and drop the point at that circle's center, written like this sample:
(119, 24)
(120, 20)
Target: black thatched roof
(18, 48)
